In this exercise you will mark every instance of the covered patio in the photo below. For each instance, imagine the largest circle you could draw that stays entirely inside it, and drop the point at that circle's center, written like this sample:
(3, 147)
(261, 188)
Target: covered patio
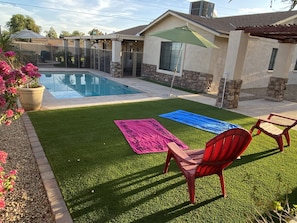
(117, 54)
(230, 84)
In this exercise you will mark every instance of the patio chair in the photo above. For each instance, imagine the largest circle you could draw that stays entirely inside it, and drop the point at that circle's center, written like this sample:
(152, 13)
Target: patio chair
(218, 154)
(276, 126)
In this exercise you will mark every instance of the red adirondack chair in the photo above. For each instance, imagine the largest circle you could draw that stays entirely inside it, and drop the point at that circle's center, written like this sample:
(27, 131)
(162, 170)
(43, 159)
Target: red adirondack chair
(276, 126)
(219, 153)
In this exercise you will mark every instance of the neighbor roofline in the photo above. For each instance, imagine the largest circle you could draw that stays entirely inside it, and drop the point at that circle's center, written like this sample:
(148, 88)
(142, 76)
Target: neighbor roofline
(118, 37)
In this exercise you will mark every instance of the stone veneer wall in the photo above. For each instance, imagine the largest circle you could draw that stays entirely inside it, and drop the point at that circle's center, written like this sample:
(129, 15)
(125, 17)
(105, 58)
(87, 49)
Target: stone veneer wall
(276, 89)
(231, 94)
(115, 69)
(191, 80)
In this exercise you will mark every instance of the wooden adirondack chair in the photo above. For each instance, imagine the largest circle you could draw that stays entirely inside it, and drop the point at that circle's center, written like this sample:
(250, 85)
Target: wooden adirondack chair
(219, 153)
(276, 126)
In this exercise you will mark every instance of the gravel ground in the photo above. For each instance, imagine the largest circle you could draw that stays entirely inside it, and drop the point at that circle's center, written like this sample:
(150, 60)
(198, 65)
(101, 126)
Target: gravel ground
(28, 203)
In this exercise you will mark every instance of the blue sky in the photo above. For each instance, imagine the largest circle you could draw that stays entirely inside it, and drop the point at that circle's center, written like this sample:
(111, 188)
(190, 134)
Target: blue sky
(115, 15)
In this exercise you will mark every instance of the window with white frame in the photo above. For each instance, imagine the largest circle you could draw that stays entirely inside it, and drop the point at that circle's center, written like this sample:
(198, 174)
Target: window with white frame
(169, 56)
(272, 59)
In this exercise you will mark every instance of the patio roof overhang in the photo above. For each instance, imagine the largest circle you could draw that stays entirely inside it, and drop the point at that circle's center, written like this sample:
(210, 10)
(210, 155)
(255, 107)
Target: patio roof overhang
(119, 37)
(282, 33)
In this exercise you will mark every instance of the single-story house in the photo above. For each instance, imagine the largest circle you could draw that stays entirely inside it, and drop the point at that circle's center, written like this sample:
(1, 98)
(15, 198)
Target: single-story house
(243, 59)
(202, 69)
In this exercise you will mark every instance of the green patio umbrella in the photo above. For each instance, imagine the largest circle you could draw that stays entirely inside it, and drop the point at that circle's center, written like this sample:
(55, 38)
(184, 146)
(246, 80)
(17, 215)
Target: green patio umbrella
(183, 35)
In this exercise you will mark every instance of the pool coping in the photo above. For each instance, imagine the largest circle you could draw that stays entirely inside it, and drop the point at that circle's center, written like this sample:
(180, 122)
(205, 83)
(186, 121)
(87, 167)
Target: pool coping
(58, 88)
(149, 91)
(54, 195)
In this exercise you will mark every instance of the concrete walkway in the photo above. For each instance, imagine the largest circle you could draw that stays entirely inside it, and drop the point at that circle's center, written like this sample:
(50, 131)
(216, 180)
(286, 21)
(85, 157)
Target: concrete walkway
(259, 108)
(254, 108)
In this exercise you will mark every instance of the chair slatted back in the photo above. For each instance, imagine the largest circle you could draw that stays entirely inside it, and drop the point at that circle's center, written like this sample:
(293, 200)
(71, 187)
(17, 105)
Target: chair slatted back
(222, 150)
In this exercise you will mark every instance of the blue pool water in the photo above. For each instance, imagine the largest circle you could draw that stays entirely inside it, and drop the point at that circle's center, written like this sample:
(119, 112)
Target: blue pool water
(78, 85)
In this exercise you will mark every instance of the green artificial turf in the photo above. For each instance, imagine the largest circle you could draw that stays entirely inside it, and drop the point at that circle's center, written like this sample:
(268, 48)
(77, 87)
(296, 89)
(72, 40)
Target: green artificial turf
(103, 180)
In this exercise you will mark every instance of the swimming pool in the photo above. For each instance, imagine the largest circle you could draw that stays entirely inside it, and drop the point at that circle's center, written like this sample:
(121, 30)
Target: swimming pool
(82, 84)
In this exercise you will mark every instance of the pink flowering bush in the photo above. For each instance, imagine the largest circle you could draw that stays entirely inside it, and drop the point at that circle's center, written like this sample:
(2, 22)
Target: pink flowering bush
(12, 77)
(7, 180)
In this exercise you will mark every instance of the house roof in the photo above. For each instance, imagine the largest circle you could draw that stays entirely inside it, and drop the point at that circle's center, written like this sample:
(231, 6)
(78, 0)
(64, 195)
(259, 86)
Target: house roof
(226, 24)
(127, 34)
(219, 25)
(223, 25)
(132, 31)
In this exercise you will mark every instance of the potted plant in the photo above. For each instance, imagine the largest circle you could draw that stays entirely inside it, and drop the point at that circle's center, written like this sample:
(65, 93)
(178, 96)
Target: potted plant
(23, 79)
(31, 93)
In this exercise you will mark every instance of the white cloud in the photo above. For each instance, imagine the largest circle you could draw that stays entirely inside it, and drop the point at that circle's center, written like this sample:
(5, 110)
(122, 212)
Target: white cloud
(84, 16)
(114, 15)
(8, 10)
(103, 4)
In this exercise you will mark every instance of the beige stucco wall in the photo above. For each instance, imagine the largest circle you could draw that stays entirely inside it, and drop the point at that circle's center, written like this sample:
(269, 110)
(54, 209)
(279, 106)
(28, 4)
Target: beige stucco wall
(218, 60)
(198, 58)
(255, 72)
(152, 44)
(194, 58)
(293, 74)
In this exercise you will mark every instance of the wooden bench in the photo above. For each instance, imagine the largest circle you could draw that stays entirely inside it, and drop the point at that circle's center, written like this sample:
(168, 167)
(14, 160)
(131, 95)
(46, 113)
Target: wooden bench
(276, 126)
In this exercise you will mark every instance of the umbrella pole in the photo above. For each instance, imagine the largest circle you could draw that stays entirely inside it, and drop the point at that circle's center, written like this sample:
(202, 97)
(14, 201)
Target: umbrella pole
(224, 88)
(175, 69)
(171, 85)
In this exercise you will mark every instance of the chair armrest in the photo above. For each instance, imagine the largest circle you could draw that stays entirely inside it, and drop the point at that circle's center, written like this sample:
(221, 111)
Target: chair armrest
(272, 122)
(180, 154)
(281, 116)
(279, 121)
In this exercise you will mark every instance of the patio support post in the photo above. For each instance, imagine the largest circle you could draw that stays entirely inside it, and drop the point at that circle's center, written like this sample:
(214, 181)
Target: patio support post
(87, 53)
(65, 42)
(277, 83)
(134, 66)
(77, 53)
(230, 85)
(115, 64)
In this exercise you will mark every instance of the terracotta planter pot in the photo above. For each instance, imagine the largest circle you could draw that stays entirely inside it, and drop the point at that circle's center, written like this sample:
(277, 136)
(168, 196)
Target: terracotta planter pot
(31, 98)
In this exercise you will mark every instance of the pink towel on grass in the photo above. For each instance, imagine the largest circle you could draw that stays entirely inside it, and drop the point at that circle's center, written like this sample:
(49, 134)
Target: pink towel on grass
(147, 135)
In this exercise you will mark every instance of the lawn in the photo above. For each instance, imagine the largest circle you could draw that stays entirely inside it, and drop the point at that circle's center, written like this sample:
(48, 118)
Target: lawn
(103, 180)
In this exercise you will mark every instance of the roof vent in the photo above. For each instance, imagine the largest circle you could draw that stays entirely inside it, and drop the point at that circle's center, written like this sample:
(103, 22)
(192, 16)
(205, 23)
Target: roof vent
(202, 8)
